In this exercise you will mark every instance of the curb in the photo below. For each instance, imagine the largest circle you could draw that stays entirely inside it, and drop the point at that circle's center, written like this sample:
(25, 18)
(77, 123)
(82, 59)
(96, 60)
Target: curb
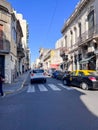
(21, 86)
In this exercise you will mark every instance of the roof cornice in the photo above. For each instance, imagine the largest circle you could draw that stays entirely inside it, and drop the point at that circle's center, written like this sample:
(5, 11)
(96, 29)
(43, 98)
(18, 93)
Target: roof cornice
(76, 12)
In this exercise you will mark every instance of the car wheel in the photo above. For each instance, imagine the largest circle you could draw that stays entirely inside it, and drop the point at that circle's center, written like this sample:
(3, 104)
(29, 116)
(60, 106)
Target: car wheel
(84, 86)
(64, 82)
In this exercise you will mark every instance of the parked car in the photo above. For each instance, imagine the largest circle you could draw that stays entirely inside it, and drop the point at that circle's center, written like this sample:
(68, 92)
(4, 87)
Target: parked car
(51, 71)
(37, 75)
(55, 73)
(60, 75)
(85, 79)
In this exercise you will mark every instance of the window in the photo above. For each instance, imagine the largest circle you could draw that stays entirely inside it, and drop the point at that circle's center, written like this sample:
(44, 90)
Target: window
(71, 40)
(38, 71)
(73, 73)
(14, 34)
(75, 30)
(1, 36)
(91, 19)
(80, 74)
(80, 30)
(66, 41)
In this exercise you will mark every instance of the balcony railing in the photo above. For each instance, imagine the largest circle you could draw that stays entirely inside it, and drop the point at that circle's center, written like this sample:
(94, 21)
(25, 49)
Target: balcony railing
(63, 50)
(20, 51)
(88, 35)
(84, 37)
(4, 46)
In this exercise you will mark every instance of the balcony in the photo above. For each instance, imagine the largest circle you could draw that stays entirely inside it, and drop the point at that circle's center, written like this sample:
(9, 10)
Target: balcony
(62, 53)
(20, 51)
(63, 50)
(4, 46)
(90, 34)
(65, 58)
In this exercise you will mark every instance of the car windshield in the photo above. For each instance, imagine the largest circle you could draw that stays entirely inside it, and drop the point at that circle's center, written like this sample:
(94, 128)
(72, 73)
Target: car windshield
(38, 71)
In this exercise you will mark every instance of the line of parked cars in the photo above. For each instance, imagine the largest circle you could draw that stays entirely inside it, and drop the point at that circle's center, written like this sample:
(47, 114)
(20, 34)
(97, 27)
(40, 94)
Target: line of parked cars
(85, 79)
(58, 74)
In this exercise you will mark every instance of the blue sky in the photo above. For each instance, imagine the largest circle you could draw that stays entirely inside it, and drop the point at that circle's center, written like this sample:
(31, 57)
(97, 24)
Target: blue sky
(46, 19)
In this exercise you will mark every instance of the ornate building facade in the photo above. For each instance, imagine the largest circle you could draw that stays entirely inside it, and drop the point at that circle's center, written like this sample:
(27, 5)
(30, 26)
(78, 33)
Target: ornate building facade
(80, 37)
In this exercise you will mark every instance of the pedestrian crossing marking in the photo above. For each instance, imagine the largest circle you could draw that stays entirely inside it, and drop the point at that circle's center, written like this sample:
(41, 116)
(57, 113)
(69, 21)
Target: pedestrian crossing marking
(42, 88)
(31, 89)
(54, 87)
(68, 88)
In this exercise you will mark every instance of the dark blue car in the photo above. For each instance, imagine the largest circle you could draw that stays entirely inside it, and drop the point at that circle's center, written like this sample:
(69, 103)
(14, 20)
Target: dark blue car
(55, 73)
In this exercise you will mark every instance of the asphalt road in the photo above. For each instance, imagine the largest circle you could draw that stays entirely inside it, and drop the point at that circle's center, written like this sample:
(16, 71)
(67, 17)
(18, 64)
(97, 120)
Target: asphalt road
(50, 106)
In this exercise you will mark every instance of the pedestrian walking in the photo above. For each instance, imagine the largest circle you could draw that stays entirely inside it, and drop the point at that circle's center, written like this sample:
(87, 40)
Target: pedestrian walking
(1, 82)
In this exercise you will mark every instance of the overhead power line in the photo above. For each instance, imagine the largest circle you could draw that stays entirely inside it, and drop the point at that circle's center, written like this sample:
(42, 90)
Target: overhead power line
(52, 18)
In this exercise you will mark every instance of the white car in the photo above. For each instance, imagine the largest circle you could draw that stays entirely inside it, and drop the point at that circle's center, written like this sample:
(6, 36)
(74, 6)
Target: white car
(37, 75)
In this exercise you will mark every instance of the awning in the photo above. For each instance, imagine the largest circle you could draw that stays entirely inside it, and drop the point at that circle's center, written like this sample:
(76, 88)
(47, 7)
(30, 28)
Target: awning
(85, 61)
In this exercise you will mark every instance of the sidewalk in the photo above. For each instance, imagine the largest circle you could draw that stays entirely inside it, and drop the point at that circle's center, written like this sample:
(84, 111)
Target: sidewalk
(16, 85)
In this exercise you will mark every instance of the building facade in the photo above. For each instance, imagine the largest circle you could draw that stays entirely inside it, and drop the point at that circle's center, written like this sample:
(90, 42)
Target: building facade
(11, 50)
(25, 61)
(80, 37)
(8, 47)
(50, 58)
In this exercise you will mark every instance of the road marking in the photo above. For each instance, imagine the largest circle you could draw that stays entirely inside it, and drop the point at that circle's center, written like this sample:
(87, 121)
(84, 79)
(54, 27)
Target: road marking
(68, 88)
(54, 87)
(31, 89)
(42, 87)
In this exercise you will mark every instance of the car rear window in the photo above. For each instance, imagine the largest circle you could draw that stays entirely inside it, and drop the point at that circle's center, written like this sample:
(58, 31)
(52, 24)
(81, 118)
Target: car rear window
(38, 71)
(94, 73)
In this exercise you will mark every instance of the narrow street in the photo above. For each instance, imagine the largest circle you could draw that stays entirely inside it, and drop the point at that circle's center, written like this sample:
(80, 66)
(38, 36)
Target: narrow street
(50, 106)
(42, 40)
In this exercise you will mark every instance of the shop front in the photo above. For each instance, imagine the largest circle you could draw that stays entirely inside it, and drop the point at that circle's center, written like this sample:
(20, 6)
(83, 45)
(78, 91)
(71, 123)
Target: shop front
(56, 66)
(89, 63)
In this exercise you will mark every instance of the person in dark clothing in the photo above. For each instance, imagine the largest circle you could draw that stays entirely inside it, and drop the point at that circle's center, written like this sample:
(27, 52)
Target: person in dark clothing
(1, 82)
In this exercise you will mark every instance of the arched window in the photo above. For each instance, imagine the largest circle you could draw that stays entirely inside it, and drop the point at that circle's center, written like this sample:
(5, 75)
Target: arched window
(71, 40)
(75, 30)
(80, 31)
(66, 41)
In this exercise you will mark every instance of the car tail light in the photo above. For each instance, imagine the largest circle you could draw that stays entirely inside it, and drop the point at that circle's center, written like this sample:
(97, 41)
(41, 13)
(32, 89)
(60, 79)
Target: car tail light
(92, 78)
(32, 74)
